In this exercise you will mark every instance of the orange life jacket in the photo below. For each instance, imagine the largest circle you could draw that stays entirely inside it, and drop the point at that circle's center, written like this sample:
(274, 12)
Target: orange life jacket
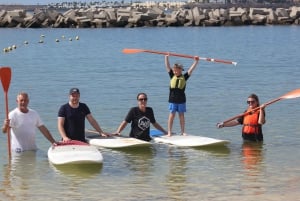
(250, 123)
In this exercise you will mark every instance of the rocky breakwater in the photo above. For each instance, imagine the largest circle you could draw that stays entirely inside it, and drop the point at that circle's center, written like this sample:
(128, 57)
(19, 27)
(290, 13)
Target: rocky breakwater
(150, 17)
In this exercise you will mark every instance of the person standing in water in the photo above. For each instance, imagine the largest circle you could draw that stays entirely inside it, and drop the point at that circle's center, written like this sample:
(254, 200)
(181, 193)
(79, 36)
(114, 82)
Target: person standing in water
(71, 118)
(177, 97)
(140, 118)
(22, 122)
(252, 122)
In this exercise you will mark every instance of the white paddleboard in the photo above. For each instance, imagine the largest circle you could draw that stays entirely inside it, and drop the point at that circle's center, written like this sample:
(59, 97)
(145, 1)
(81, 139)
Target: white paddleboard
(114, 141)
(74, 152)
(185, 140)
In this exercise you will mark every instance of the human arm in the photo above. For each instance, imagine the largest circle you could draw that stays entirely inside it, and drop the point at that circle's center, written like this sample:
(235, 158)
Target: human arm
(231, 123)
(193, 66)
(167, 63)
(61, 129)
(158, 126)
(96, 125)
(261, 118)
(44, 130)
(121, 127)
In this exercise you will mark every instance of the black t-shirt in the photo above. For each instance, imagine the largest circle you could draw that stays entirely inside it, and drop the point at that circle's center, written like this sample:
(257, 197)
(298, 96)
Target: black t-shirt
(74, 120)
(140, 122)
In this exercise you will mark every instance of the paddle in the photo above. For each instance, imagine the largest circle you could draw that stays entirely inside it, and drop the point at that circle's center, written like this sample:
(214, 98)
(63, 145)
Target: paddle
(96, 132)
(5, 75)
(133, 51)
(292, 94)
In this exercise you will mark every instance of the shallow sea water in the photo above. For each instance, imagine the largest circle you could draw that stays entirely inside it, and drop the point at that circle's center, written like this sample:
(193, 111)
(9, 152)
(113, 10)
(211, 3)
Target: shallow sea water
(268, 64)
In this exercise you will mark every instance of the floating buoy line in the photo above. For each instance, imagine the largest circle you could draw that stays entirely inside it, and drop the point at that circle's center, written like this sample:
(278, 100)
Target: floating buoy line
(40, 41)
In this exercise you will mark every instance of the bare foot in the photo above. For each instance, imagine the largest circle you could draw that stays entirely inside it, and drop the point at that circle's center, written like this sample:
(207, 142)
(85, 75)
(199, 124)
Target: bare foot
(184, 134)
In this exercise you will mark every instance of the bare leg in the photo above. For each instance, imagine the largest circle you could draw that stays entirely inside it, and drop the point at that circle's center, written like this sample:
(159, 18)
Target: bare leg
(182, 123)
(170, 123)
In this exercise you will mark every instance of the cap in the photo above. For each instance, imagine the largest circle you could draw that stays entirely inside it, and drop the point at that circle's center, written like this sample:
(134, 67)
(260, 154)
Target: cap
(74, 90)
(177, 65)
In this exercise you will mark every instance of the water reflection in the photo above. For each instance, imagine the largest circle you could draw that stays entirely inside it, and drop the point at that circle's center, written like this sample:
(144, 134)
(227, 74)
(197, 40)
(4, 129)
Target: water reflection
(252, 159)
(252, 162)
(19, 174)
(218, 150)
(140, 160)
(83, 171)
(176, 178)
(6, 186)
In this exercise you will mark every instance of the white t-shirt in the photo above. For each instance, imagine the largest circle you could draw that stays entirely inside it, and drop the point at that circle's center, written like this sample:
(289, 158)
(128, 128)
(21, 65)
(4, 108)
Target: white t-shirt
(23, 129)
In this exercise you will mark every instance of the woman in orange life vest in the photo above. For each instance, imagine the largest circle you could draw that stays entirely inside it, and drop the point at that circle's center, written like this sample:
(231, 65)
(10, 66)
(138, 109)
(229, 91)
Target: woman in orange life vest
(252, 123)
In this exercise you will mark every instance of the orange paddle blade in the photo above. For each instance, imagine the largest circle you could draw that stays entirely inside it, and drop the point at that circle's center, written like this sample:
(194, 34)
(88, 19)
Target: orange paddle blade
(132, 51)
(292, 94)
(5, 74)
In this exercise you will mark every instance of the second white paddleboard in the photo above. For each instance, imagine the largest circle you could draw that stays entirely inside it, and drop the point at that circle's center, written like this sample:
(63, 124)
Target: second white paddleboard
(115, 142)
(186, 140)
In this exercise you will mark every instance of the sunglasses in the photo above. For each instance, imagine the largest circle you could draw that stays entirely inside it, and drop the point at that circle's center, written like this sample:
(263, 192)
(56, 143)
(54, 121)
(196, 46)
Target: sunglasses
(250, 102)
(143, 99)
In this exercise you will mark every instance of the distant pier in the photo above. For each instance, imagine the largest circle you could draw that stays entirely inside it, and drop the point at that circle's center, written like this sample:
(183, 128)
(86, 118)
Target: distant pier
(149, 14)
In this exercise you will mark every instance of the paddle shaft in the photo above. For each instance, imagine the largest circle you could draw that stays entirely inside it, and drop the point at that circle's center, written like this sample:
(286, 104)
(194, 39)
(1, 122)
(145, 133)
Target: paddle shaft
(92, 131)
(253, 110)
(131, 51)
(96, 132)
(8, 130)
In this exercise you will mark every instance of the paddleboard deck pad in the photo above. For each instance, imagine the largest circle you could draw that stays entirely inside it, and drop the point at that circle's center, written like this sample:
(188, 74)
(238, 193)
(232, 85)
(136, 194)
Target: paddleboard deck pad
(114, 141)
(185, 140)
(74, 152)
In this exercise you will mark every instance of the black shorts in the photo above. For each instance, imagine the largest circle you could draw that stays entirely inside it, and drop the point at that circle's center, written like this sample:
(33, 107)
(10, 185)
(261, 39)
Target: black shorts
(253, 137)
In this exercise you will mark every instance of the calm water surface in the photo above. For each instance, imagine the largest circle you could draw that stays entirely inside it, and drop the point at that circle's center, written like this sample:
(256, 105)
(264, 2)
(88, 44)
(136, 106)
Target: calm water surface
(268, 64)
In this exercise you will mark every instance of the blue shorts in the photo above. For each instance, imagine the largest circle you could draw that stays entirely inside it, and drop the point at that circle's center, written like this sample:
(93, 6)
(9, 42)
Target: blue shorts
(174, 107)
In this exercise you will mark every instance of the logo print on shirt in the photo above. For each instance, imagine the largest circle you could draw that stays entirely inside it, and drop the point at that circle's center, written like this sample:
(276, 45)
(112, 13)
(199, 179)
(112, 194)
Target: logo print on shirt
(144, 123)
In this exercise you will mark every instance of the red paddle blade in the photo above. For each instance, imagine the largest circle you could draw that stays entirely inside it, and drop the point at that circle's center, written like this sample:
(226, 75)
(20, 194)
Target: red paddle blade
(5, 74)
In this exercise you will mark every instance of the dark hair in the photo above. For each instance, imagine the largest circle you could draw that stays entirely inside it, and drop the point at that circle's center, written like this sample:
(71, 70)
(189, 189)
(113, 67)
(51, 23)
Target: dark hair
(254, 96)
(137, 97)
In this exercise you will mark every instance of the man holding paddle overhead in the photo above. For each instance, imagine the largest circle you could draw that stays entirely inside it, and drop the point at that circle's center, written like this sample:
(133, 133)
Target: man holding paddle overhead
(252, 121)
(177, 98)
